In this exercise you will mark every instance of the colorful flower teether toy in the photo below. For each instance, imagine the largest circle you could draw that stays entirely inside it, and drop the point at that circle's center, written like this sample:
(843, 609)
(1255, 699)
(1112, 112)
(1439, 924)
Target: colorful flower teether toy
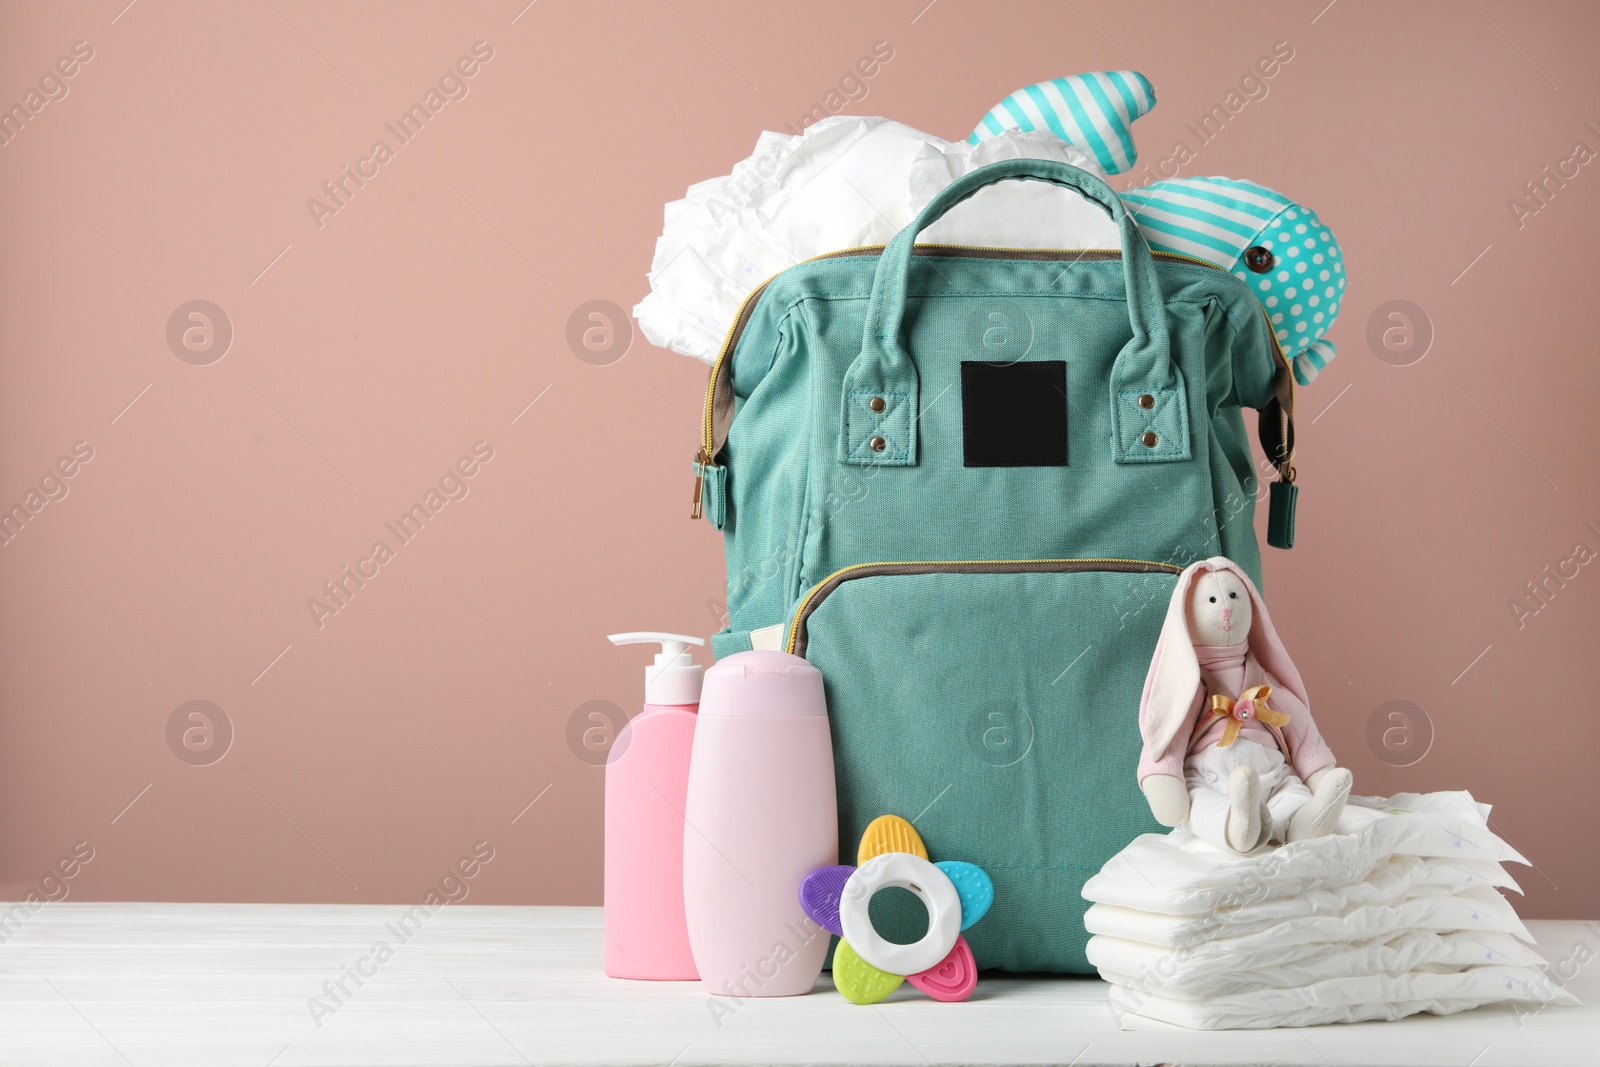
(867, 968)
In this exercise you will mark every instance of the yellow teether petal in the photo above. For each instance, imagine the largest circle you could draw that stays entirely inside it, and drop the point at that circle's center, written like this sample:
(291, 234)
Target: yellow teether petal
(858, 980)
(889, 833)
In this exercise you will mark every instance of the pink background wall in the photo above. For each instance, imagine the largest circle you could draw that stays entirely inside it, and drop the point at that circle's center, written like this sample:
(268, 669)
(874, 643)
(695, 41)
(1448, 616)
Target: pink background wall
(370, 353)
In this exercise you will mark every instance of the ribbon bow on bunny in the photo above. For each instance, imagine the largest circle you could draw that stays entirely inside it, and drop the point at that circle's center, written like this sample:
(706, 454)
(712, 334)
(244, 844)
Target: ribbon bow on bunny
(1252, 704)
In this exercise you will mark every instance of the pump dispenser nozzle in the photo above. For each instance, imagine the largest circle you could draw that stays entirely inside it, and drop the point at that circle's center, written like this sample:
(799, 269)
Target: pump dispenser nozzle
(674, 678)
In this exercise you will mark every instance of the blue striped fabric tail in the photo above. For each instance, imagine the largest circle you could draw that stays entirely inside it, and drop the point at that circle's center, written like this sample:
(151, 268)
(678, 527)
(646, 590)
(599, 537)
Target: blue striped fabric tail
(1092, 112)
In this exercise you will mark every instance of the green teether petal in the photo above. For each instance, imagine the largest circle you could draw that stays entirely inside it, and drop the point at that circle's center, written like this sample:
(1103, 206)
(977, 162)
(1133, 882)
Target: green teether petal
(858, 980)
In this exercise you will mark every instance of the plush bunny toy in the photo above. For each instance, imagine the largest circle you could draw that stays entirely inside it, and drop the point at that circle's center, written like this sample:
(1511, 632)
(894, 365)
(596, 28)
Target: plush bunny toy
(1229, 744)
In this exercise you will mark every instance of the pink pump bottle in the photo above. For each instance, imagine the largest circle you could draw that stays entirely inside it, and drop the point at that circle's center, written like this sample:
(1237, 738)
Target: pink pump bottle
(647, 776)
(762, 814)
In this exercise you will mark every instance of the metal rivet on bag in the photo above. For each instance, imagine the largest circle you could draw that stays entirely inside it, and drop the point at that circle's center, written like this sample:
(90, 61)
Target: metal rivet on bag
(876, 403)
(1147, 401)
(1149, 439)
(1259, 260)
(877, 444)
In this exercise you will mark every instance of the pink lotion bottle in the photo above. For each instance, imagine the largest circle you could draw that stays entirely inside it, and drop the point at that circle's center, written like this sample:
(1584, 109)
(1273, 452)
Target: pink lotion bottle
(647, 774)
(762, 814)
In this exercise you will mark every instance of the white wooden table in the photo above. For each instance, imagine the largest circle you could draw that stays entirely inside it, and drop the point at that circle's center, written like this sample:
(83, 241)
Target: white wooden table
(167, 985)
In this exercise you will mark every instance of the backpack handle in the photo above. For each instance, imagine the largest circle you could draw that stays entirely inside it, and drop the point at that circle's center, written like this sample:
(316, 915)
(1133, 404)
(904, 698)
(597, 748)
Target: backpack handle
(881, 404)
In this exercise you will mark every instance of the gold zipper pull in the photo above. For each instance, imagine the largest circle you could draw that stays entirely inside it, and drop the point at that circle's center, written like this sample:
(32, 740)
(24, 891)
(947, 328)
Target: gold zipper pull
(700, 461)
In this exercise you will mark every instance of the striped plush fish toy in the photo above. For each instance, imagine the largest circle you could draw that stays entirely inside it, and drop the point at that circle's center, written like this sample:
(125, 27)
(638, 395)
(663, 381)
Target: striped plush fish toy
(1280, 248)
(1092, 112)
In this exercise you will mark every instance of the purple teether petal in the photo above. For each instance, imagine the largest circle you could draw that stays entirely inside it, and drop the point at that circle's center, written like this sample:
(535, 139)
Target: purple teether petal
(819, 896)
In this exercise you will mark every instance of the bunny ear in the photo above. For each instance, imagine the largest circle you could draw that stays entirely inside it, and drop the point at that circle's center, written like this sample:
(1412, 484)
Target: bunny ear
(1174, 676)
(1092, 112)
(1265, 644)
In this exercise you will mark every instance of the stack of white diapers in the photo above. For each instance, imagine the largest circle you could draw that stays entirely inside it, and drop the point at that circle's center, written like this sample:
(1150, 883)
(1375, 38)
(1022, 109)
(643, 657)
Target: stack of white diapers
(1398, 913)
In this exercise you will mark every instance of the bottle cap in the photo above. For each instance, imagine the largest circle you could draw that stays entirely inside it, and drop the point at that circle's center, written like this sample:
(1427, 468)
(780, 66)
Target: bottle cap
(674, 677)
(763, 683)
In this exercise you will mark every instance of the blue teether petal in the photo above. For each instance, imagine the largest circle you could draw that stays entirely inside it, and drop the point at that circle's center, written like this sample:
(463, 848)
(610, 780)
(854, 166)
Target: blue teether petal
(819, 896)
(973, 886)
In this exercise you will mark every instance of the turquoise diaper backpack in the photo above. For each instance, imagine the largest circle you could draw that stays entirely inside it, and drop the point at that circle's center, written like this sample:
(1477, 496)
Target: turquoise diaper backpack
(961, 481)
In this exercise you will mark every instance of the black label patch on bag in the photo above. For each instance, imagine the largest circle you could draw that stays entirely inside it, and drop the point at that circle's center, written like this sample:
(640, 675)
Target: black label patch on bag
(1014, 414)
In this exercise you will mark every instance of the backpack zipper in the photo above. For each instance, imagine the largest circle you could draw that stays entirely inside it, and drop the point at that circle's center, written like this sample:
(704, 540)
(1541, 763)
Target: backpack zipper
(705, 458)
(1285, 415)
(814, 597)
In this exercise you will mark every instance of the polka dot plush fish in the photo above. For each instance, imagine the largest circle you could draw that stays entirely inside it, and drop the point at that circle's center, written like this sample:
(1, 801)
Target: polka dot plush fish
(1278, 247)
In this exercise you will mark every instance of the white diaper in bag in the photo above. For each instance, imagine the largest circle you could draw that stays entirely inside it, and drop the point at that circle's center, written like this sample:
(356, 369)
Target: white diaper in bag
(846, 181)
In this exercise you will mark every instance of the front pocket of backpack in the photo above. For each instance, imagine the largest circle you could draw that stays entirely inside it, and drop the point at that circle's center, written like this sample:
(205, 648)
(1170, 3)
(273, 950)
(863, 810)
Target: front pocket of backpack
(995, 705)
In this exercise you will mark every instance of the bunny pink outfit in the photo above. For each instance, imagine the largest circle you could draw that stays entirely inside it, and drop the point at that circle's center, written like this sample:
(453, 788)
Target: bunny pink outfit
(1183, 677)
